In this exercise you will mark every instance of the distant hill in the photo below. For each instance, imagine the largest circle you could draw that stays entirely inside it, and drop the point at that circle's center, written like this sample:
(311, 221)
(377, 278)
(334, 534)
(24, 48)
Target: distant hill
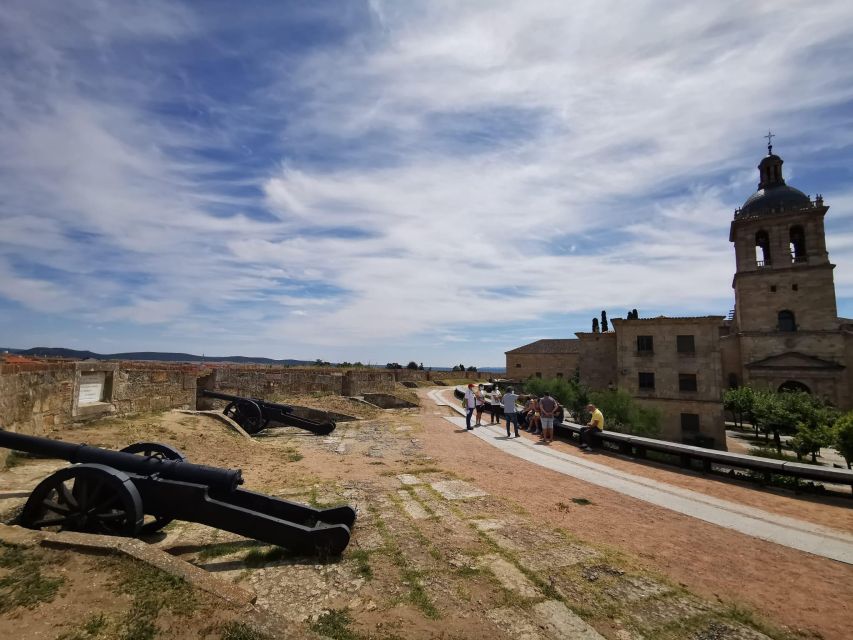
(159, 356)
(58, 352)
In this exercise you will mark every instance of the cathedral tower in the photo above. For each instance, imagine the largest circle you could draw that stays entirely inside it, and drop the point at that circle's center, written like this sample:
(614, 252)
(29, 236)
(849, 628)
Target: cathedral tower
(783, 281)
(785, 333)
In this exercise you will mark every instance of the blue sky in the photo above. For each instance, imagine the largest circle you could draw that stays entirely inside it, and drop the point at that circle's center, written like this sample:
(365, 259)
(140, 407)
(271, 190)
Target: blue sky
(395, 181)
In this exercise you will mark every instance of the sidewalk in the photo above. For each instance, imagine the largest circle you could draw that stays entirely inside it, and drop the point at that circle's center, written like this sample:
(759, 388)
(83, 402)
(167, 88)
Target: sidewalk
(796, 534)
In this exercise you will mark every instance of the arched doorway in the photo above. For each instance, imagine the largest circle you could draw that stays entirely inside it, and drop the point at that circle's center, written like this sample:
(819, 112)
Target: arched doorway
(793, 385)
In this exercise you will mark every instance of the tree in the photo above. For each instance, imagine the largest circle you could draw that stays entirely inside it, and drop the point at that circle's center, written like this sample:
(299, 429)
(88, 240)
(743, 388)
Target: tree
(740, 403)
(842, 437)
(621, 413)
(472, 369)
(809, 440)
(412, 365)
(393, 365)
(595, 325)
(604, 327)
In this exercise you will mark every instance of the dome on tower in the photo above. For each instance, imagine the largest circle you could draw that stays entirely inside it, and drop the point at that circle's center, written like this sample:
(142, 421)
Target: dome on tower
(773, 195)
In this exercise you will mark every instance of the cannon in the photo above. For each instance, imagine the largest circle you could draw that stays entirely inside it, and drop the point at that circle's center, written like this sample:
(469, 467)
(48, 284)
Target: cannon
(146, 485)
(254, 414)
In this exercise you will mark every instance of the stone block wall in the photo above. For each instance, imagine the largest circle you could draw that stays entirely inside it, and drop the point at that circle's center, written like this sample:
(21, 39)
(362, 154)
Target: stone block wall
(35, 397)
(521, 366)
(268, 381)
(597, 361)
(140, 387)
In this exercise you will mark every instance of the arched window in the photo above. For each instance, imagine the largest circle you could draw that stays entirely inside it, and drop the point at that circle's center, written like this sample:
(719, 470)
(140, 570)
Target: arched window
(786, 321)
(762, 248)
(798, 244)
(794, 385)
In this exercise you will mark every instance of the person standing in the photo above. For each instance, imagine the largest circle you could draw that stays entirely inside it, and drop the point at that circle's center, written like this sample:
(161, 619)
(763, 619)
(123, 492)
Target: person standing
(495, 406)
(509, 399)
(480, 404)
(547, 409)
(470, 405)
(596, 421)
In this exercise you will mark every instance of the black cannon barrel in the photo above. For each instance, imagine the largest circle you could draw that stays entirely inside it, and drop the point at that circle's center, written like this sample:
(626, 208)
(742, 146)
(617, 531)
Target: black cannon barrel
(214, 477)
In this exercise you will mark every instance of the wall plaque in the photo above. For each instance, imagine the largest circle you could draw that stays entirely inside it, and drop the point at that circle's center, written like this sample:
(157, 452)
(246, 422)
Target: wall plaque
(91, 388)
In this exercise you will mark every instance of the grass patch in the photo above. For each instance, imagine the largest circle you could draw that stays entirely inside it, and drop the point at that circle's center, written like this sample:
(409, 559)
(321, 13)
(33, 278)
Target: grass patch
(362, 563)
(224, 549)
(16, 458)
(152, 590)
(292, 455)
(92, 627)
(335, 624)
(260, 557)
(24, 585)
(411, 576)
(770, 452)
(242, 631)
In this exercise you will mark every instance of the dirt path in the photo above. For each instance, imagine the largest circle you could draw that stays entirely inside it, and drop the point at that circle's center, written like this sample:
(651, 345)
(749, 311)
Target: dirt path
(798, 589)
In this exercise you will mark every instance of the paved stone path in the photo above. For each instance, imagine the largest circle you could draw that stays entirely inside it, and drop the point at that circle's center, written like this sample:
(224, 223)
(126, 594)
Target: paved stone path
(796, 534)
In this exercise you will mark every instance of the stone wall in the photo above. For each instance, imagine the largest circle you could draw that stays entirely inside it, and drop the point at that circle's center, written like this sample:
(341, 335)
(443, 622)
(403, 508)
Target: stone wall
(521, 366)
(597, 361)
(807, 291)
(711, 423)
(35, 397)
(666, 363)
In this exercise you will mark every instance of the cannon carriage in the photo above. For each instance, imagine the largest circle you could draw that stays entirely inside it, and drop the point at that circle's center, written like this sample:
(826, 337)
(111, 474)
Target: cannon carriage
(146, 485)
(254, 414)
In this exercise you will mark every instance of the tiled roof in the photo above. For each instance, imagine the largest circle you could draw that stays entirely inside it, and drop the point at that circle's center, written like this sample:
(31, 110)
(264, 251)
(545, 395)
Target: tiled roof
(548, 346)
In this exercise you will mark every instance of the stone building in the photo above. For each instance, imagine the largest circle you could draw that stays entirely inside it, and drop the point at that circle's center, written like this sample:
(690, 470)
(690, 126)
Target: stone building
(784, 332)
(543, 359)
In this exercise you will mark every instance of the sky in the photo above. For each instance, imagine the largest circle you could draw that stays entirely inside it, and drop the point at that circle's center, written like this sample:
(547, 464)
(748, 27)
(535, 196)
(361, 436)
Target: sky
(391, 181)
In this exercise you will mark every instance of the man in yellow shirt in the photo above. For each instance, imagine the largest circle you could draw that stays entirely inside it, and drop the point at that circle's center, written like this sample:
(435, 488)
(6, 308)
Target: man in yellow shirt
(596, 421)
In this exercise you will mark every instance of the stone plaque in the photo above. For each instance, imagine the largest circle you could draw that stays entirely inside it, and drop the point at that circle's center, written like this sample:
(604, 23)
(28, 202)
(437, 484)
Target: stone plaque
(91, 388)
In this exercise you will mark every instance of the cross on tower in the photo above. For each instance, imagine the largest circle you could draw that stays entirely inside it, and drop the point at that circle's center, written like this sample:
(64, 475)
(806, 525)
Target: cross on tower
(770, 137)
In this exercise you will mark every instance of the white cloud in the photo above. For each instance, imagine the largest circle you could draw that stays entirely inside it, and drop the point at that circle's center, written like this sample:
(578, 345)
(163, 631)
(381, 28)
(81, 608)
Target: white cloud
(502, 162)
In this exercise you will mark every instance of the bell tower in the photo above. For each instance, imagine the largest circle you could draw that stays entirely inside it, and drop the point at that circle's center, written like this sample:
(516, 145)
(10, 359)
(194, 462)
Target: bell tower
(783, 280)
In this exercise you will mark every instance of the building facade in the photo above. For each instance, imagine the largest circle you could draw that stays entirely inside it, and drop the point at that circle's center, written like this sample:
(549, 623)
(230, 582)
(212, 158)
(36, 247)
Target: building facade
(784, 332)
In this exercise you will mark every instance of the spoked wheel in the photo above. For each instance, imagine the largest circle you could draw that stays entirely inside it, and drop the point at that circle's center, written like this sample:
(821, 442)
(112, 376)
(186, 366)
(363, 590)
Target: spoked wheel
(92, 498)
(164, 452)
(155, 450)
(247, 414)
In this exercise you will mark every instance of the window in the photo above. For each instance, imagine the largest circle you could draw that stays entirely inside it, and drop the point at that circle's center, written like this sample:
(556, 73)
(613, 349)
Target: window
(787, 321)
(645, 344)
(559, 374)
(647, 380)
(733, 381)
(690, 423)
(798, 244)
(794, 287)
(538, 374)
(687, 382)
(772, 288)
(685, 344)
(518, 365)
(762, 249)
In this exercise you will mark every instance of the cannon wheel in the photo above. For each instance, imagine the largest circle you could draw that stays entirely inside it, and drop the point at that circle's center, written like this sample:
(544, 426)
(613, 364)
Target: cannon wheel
(164, 452)
(93, 498)
(246, 413)
(155, 450)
